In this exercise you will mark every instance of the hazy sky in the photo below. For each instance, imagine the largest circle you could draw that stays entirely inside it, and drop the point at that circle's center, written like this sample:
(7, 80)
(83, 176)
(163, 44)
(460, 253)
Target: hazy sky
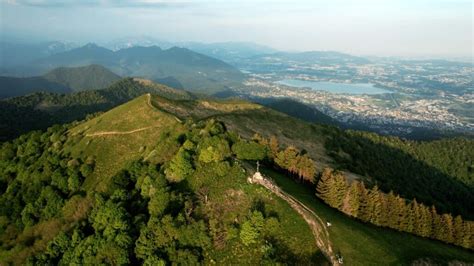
(363, 27)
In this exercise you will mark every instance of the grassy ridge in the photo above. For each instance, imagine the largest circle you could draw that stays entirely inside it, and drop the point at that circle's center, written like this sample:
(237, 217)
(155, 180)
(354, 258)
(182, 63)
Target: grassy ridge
(114, 149)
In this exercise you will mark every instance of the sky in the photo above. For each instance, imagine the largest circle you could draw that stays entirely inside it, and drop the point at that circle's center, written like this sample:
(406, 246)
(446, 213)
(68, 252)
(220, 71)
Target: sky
(410, 28)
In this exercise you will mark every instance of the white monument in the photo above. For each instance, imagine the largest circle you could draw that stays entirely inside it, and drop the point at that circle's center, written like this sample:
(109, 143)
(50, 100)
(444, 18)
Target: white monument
(257, 175)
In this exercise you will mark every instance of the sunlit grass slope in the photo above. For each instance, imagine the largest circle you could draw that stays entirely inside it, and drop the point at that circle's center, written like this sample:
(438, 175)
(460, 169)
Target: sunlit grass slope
(123, 134)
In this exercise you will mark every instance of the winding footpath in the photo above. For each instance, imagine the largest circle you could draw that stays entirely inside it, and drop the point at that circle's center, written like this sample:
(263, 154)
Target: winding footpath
(320, 232)
(103, 133)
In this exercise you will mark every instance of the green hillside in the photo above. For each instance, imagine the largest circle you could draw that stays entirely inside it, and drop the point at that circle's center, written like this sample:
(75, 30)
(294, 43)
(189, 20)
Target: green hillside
(91, 77)
(160, 180)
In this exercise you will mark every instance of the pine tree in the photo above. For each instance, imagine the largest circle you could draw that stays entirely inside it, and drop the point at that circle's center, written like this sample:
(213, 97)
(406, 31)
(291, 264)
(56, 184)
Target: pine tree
(364, 208)
(384, 210)
(323, 189)
(458, 228)
(418, 218)
(286, 159)
(468, 240)
(403, 219)
(352, 199)
(410, 217)
(436, 225)
(306, 168)
(376, 205)
(392, 214)
(339, 190)
(427, 225)
(331, 188)
(447, 230)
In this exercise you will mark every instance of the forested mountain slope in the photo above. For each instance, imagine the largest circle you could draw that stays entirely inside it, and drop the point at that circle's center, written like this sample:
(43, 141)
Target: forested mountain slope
(159, 180)
(117, 193)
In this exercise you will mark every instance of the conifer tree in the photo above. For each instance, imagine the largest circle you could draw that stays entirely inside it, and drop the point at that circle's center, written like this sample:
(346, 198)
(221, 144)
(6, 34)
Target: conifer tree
(427, 222)
(392, 214)
(458, 230)
(417, 217)
(332, 188)
(376, 205)
(353, 199)
(306, 168)
(447, 228)
(403, 220)
(339, 190)
(468, 240)
(436, 230)
(364, 208)
(325, 183)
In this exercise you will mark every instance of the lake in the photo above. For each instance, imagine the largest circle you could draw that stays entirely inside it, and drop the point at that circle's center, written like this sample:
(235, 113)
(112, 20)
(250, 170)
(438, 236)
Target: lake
(334, 87)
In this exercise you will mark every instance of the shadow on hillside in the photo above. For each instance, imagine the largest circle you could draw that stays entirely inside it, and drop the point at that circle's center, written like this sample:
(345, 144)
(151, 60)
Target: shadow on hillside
(391, 168)
(278, 252)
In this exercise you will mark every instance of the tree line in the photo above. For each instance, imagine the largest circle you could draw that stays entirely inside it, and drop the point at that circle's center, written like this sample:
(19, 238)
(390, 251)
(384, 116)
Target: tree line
(370, 204)
(390, 210)
(297, 163)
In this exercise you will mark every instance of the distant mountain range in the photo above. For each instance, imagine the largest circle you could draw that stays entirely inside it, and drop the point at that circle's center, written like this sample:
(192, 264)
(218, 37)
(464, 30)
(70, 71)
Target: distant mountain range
(225, 51)
(59, 80)
(185, 68)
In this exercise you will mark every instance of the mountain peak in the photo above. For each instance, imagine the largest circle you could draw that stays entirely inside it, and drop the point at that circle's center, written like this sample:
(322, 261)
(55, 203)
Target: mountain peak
(90, 45)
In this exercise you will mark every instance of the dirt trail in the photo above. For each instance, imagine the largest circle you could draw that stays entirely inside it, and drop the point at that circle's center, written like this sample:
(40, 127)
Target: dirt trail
(118, 132)
(317, 225)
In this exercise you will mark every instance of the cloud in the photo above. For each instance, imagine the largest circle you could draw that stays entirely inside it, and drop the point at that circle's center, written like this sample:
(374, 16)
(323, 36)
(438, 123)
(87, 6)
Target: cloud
(103, 3)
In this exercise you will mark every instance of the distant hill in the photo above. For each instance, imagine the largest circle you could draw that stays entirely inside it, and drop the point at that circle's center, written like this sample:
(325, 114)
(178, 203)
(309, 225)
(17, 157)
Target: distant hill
(194, 71)
(43, 109)
(59, 80)
(90, 77)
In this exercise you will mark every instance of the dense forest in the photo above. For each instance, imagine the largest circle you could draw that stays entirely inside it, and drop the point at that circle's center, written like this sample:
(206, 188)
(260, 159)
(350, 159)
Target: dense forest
(153, 212)
(390, 210)
(436, 173)
(42, 109)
